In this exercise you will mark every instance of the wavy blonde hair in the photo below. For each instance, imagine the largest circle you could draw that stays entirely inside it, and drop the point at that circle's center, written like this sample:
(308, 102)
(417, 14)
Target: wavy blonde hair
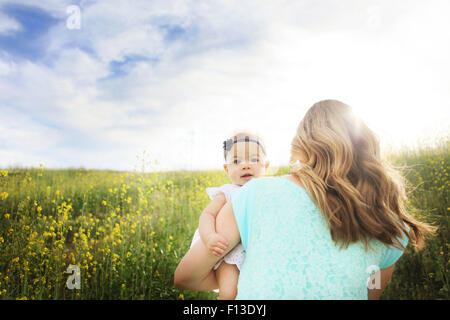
(337, 159)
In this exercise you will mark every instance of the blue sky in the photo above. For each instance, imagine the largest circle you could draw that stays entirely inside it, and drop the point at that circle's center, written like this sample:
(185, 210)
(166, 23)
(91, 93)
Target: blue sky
(174, 78)
(34, 23)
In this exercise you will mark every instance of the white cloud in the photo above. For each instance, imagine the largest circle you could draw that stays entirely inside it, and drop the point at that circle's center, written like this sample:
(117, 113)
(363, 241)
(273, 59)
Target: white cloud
(240, 64)
(8, 25)
(6, 67)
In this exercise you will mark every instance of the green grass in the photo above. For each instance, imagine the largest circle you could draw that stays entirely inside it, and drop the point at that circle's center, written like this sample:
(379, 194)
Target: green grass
(128, 231)
(424, 275)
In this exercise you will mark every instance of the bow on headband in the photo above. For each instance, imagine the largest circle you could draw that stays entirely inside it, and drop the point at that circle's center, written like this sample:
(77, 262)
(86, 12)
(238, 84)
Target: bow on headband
(228, 144)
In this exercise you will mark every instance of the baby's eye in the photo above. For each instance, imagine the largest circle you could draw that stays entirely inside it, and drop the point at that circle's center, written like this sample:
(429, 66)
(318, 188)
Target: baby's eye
(237, 161)
(254, 160)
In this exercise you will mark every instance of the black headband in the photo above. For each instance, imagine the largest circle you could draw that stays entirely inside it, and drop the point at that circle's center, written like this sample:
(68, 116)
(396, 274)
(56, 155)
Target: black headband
(228, 144)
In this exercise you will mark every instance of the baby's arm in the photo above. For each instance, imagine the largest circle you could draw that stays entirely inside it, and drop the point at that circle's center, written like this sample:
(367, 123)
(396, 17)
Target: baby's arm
(207, 226)
(195, 270)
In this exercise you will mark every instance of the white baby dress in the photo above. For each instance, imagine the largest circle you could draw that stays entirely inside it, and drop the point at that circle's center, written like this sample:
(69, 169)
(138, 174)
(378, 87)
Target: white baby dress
(235, 256)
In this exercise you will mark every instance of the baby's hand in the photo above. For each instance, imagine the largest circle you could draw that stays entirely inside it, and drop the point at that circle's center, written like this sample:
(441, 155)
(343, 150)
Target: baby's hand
(217, 244)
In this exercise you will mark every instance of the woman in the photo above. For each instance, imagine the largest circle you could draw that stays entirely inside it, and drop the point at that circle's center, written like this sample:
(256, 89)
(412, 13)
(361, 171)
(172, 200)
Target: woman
(320, 232)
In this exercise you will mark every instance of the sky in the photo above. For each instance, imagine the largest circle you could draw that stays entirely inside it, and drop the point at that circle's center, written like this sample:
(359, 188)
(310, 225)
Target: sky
(113, 84)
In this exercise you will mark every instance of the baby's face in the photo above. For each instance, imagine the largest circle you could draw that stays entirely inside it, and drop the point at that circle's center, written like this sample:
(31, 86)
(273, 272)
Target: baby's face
(244, 162)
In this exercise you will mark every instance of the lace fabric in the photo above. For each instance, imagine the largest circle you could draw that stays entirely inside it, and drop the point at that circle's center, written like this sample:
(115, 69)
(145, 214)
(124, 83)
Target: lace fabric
(289, 253)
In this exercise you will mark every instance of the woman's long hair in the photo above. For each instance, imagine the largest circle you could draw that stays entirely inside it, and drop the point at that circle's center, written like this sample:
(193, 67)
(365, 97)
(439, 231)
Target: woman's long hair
(337, 159)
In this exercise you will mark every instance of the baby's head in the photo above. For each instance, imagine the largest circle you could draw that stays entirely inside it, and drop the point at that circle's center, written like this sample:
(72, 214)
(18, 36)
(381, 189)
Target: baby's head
(245, 157)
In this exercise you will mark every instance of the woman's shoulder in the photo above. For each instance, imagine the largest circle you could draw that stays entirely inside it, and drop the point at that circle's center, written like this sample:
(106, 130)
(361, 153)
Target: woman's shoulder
(278, 189)
(286, 181)
(255, 185)
(271, 183)
(260, 181)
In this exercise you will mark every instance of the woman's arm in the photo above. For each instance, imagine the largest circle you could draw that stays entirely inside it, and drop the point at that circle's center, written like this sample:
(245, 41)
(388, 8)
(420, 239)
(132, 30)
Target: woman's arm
(194, 272)
(385, 277)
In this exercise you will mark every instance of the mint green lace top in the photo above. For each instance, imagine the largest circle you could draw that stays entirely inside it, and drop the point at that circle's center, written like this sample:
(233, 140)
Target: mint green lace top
(289, 253)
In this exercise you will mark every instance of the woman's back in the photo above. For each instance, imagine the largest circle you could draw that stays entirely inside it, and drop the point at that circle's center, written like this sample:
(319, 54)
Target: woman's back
(289, 250)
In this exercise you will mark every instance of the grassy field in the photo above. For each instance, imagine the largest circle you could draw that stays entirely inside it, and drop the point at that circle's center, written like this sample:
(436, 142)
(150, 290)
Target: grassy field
(127, 231)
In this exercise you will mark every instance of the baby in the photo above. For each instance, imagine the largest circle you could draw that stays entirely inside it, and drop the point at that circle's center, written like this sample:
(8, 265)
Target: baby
(244, 155)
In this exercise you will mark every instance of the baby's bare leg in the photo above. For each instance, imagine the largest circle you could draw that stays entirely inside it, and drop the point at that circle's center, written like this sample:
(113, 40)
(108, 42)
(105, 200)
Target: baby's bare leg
(227, 277)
